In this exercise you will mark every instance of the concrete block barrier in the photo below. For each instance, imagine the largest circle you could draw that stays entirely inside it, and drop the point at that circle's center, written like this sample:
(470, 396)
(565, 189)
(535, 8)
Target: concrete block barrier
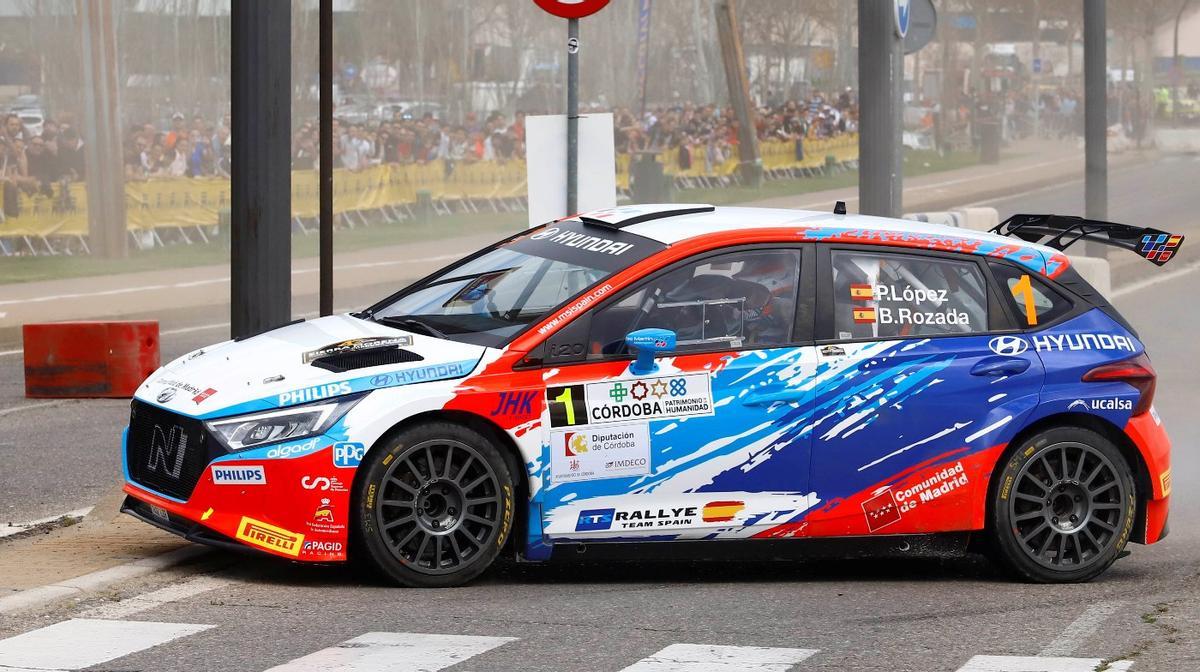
(89, 359)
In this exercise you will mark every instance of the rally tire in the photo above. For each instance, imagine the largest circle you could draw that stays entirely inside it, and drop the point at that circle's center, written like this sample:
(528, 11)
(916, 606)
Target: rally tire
(1062, 507)
(434, 506)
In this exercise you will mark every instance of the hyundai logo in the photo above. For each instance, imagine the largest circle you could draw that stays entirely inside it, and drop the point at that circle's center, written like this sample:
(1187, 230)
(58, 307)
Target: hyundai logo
(382, 380)
(1008, 345)
(544, 233)
(166, 395)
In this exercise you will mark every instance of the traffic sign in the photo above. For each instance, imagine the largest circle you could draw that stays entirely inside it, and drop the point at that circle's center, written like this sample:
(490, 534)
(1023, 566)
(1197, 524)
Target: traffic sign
(903, 15)
(571, 9)
(1037, 66)
(922, 25)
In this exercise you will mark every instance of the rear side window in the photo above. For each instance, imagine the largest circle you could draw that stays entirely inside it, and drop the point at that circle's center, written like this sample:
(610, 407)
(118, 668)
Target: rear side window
(1033, 301)
(903, 295)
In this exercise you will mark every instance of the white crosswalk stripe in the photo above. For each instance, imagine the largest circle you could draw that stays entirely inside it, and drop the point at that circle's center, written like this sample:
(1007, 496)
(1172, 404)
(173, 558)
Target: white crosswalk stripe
(394, 652)
(1040, 664)
(83, 642)
(710, 658)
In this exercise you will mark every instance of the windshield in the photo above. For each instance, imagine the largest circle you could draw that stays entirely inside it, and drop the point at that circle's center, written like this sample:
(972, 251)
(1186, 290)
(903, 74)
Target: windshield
(491, 298)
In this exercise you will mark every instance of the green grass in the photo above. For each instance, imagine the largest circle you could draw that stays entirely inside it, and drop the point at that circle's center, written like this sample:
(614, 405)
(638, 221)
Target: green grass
(32, 269)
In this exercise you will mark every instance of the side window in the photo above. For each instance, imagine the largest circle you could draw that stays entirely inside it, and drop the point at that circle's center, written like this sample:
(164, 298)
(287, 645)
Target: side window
(902, 295)
(1034, 302)
(734, 300)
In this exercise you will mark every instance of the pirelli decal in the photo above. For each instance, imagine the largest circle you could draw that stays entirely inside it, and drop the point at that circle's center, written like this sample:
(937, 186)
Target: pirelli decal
(264, 535)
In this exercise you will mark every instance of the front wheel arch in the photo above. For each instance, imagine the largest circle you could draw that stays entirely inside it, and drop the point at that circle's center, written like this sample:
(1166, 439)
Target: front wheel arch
(504, 443)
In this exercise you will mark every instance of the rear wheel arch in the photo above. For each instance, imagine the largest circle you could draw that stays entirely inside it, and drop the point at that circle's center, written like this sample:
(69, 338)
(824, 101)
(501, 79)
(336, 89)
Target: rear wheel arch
(1141, 474)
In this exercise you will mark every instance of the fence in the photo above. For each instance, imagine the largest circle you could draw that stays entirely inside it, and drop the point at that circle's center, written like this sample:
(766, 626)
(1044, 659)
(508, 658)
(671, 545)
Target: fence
(167, 210)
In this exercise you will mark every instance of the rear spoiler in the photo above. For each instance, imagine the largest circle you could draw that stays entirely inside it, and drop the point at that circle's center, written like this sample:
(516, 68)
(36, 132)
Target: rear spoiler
(1061, 232)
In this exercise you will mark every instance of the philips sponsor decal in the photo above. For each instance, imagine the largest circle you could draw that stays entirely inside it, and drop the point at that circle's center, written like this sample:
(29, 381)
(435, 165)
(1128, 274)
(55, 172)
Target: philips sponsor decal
(244, 474)
(315, 393)
(348, 454)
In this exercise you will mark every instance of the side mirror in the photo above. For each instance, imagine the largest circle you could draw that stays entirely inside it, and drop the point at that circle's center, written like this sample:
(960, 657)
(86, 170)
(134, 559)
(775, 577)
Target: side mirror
(648, 343)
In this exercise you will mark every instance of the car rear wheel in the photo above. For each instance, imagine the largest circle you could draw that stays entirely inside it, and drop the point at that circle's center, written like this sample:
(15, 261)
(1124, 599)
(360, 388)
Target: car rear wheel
(435, 505)
(1063, 507)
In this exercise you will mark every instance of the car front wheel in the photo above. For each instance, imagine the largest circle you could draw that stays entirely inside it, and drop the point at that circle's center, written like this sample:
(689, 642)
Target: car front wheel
(1063, 506)
(435, 505)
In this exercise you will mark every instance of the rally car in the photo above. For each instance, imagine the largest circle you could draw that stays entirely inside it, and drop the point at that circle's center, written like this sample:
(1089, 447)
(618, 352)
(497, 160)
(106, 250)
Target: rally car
(683, 381)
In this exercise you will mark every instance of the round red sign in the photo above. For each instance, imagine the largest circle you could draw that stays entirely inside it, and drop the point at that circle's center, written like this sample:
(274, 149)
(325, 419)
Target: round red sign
(571, 9)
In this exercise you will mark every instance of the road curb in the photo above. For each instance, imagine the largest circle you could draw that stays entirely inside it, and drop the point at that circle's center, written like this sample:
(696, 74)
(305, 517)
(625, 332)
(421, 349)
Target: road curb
(89, 583)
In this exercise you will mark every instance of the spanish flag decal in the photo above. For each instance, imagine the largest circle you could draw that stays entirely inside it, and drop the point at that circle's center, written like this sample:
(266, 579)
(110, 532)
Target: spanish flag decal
(862, 292)
(721, 512)
(864, 315)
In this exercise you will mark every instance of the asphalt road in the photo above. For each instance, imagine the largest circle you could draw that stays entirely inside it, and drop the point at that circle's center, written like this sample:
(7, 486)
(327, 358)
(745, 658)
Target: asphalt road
(864, 615)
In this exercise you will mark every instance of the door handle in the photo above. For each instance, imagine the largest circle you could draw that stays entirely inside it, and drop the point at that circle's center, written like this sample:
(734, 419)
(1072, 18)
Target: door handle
(786, 395)
(1000, 366)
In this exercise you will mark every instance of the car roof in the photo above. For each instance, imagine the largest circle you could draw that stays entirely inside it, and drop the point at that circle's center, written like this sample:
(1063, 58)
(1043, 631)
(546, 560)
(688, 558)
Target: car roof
(677, 222)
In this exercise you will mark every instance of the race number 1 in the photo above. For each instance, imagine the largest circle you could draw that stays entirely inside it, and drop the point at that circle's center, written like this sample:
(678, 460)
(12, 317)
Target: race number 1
(1023, 291)
(568, 405)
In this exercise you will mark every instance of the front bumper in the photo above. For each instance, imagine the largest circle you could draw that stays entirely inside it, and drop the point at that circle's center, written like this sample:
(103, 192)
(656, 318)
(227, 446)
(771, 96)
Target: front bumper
(299, 510)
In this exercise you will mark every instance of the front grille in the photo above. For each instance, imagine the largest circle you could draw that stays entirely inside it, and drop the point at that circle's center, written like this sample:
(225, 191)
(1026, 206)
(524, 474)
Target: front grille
(348, 361)
(167, 452)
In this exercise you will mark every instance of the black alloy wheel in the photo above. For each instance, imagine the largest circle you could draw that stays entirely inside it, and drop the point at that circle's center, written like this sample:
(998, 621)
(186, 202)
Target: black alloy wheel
(435, 505)
(1064, 506)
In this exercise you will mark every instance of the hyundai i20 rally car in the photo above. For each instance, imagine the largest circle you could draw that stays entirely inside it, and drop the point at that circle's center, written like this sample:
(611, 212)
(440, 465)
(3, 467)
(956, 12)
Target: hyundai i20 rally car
(682, 381)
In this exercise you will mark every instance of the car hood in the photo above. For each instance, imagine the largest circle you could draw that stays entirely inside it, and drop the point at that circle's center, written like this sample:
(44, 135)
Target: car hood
(275, 369)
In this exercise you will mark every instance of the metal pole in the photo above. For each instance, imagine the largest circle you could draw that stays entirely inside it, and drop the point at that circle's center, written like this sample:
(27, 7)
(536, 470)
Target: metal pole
(738, 82)
(326, 167)
(880, 72)
(261, 105)
(572, 116)
(102, 151)
(1095, 110)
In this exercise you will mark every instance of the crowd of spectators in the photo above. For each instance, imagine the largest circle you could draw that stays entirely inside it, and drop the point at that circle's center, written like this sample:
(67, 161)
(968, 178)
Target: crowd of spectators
(404, 139)
(34, 159)
(198, 149)
(688, 127)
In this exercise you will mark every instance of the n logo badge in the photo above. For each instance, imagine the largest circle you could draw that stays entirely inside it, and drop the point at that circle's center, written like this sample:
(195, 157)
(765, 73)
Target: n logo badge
(166, 451)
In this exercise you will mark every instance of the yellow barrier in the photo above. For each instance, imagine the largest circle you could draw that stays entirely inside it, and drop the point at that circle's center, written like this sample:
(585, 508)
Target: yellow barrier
(185, 202)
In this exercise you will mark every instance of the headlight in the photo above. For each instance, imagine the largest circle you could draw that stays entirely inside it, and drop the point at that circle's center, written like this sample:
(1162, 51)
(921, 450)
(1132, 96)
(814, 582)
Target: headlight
(298, 422)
